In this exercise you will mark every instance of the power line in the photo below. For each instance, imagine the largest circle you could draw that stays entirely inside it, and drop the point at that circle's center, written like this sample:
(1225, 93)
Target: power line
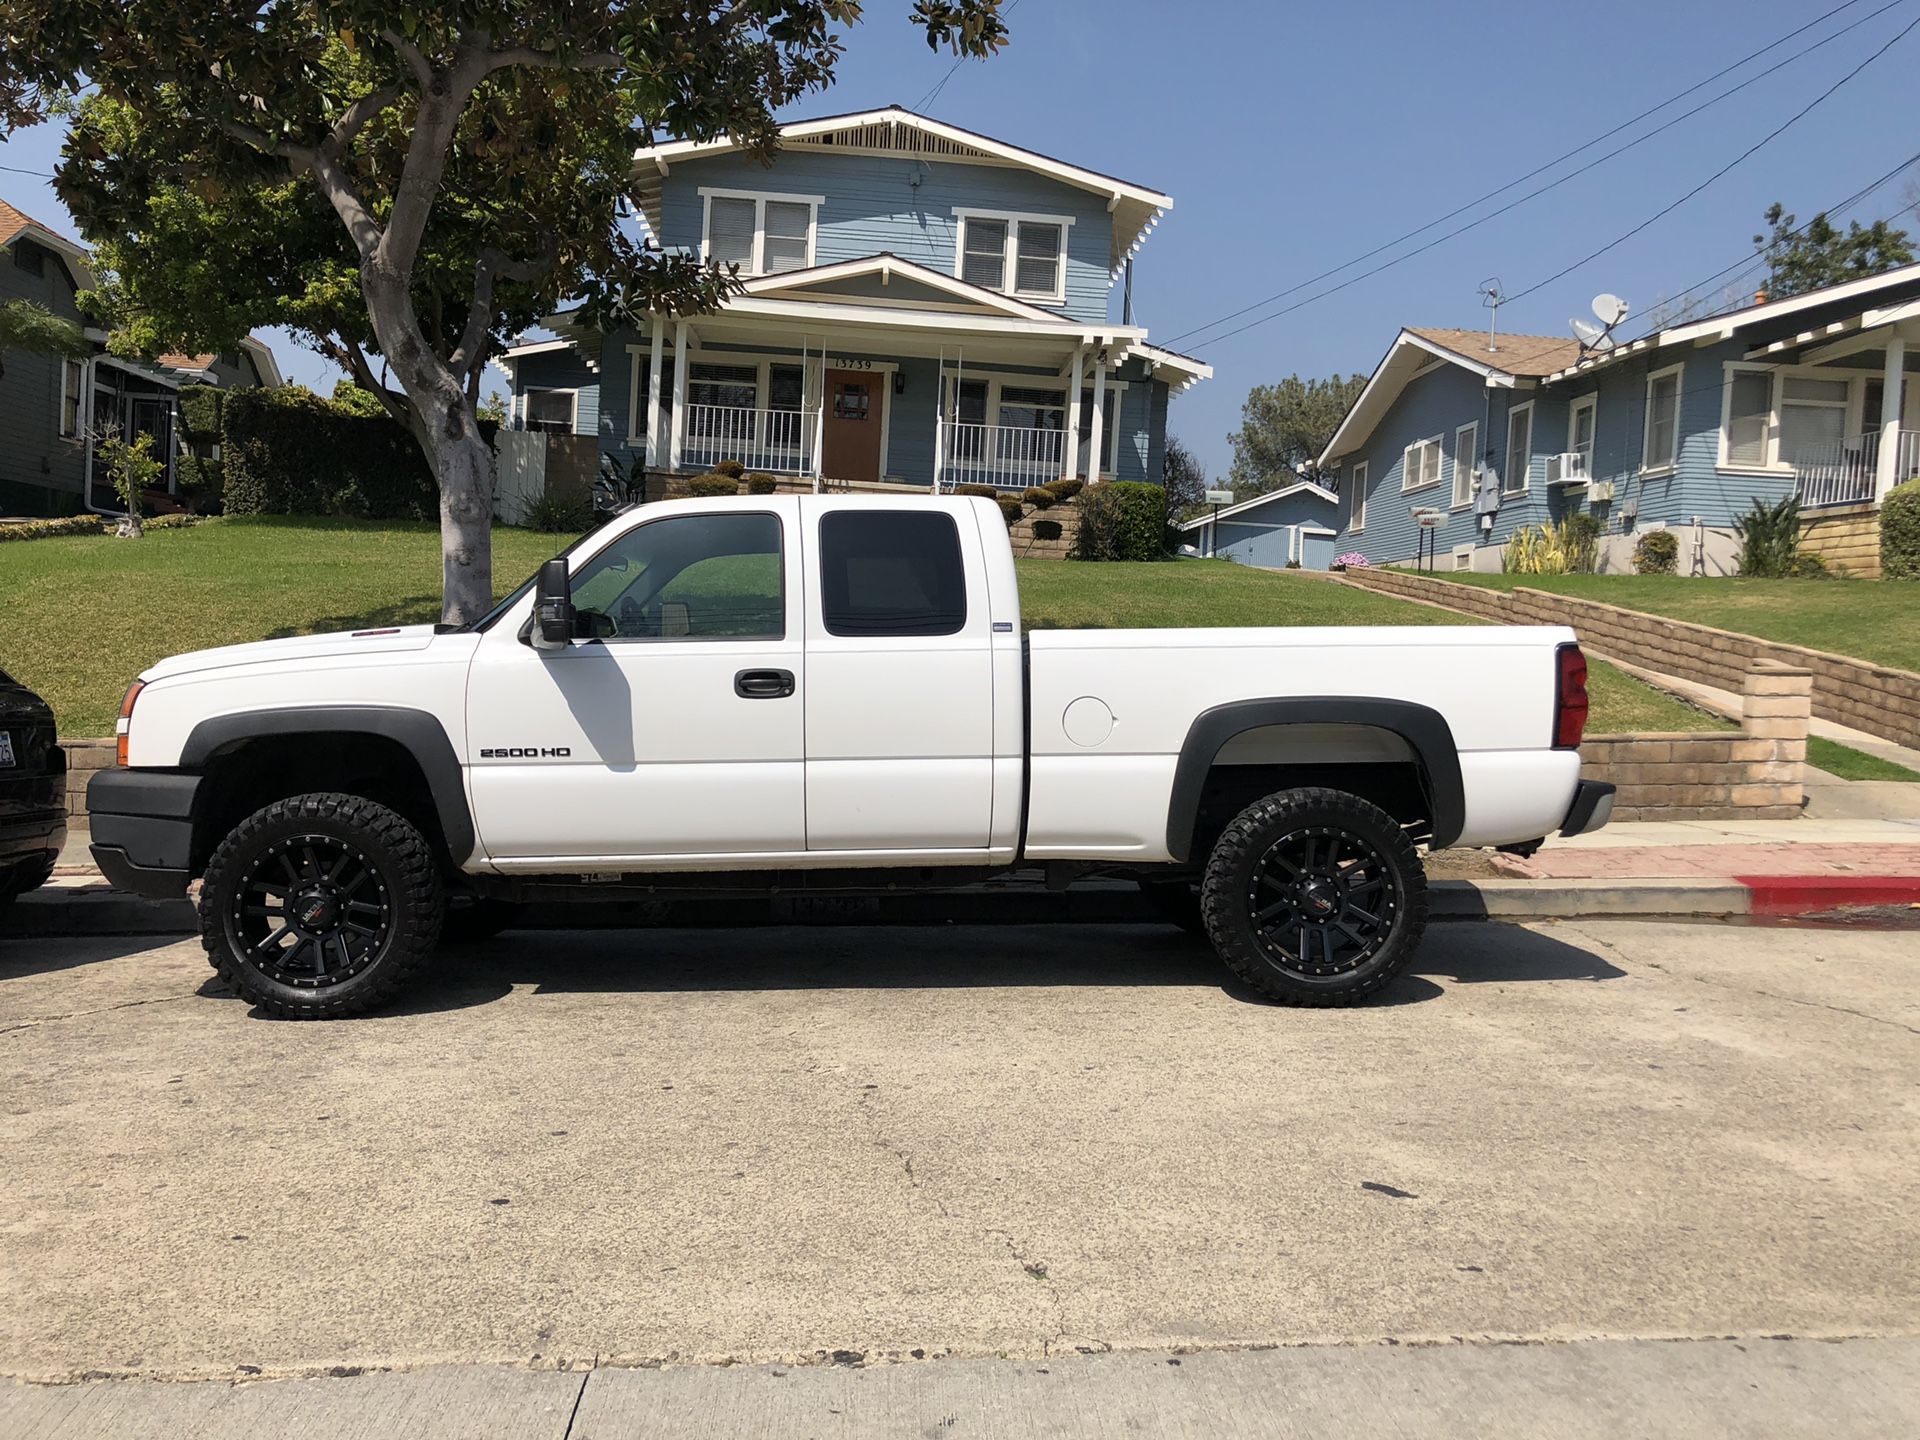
(37, 174)
(1757, 145)
(1551, 185)
(954, 69)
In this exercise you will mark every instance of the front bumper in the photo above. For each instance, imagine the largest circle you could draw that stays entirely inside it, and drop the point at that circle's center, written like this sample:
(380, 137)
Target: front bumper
(142, 822)
(1592, 808)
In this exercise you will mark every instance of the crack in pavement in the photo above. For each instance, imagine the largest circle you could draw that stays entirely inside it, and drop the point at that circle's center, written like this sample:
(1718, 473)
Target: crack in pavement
(1619, 956)
(39, 1020)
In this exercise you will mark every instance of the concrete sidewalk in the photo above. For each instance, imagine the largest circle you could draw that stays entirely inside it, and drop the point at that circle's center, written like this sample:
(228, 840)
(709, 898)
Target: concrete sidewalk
(1860, 1388)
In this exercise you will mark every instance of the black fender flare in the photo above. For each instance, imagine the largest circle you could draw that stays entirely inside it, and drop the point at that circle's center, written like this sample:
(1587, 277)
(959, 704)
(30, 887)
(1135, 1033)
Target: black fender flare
(1423, 728)
(424, 737)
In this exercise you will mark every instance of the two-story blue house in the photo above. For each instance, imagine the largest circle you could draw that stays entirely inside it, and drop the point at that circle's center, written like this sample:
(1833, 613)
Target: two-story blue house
(1683, 429)
(923, 305)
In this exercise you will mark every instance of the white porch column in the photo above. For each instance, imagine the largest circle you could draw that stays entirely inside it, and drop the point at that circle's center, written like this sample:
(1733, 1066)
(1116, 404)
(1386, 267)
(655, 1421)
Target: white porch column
(656, 411)
(1886, 473)
(1096, 439)
(679, 393)
(1075, 379)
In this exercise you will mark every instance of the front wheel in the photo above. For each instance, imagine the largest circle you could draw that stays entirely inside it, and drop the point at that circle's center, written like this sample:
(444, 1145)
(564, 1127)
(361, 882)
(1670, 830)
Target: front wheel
(1314, 897)
(321, 906)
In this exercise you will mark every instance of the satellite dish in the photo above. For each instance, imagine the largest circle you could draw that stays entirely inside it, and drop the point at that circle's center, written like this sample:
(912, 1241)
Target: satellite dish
(1592, 336)
(1609, 310)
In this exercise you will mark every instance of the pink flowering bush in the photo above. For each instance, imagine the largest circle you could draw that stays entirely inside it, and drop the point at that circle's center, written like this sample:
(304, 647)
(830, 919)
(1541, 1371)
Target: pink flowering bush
(1352, 560)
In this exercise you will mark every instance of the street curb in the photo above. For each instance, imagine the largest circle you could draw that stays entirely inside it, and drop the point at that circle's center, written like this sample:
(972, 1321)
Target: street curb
(98, 911)
(1778, 895)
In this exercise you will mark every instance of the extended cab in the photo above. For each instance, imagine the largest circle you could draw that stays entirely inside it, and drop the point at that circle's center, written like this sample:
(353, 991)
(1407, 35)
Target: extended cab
(825, 693)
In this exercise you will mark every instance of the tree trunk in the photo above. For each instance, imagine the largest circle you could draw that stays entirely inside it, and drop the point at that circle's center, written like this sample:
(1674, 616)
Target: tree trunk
(463, 464)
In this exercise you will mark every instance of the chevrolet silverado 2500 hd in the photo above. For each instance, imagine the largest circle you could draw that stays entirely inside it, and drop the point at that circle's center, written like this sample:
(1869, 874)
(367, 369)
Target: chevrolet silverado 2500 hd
(825, 693)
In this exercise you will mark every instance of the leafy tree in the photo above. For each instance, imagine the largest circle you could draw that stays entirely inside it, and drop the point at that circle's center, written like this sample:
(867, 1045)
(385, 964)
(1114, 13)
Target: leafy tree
(133, 469)
(1283, 429)
(408, 181)
(1186, 479)
(36, 330)
(1807, 257)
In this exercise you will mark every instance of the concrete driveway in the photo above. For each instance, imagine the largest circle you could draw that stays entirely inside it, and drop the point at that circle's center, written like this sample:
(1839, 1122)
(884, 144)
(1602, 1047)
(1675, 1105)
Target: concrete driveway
(761, 1145)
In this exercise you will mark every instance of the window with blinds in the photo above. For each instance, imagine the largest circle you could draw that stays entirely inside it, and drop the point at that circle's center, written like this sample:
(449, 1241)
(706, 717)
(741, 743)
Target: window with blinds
(1661, 446)
(1519, 450)
(789, 228)
(1014, 256)
(1027, 409)
(1037, 268)
(983, 253)
(762, 234)
(730, 229)
(1749, 417)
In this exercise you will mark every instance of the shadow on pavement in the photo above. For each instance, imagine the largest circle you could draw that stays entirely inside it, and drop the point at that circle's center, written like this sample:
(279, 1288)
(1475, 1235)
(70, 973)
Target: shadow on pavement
(929, 957)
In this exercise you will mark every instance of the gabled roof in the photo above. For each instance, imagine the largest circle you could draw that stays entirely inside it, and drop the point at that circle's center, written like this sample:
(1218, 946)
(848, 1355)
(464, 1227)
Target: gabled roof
(202, 365)
(1515, 360)
(805, 285)
(16, 225)
(1227, 511)
(1516, 355)
(896, 130)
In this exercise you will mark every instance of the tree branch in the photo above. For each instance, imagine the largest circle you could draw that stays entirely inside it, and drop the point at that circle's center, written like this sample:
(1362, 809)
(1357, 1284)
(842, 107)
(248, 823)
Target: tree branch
(410, 53)
(356, 116)
(532, 58)
(469, 356)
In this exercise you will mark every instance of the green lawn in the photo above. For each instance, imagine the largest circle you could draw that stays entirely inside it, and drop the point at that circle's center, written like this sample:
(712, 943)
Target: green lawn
(1876, 620)
(84, 614)
(1851, 764)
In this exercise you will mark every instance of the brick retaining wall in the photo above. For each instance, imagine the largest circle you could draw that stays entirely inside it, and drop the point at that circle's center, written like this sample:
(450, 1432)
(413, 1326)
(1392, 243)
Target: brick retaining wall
(1875, 698)
(84, 758)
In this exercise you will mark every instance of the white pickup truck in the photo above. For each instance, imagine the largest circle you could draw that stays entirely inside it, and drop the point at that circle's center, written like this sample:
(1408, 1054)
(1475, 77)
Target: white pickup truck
(825, 694)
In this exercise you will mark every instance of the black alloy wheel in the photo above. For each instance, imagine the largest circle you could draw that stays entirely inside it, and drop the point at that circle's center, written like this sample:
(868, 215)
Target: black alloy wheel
(311, 911)
(1314, 897)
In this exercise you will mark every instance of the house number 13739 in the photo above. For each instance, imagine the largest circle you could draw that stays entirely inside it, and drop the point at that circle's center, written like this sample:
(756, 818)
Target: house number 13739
(840, 362)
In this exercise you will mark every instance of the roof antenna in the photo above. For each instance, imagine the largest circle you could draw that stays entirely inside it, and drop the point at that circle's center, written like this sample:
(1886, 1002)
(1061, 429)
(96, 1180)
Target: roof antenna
(1493, 299)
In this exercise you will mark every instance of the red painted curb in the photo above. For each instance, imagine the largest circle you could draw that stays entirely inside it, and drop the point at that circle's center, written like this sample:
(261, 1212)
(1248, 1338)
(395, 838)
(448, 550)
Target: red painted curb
(1807, 894)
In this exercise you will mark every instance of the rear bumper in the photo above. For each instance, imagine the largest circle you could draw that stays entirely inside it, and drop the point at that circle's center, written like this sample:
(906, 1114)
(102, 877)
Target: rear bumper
(1592, 808)
(28, 850)
(142, 823)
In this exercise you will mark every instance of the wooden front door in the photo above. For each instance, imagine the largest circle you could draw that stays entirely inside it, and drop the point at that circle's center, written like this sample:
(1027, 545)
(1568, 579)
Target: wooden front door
(856, 416)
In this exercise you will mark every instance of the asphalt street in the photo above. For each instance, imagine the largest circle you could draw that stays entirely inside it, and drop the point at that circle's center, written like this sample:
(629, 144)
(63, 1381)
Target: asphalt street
(838, 1148)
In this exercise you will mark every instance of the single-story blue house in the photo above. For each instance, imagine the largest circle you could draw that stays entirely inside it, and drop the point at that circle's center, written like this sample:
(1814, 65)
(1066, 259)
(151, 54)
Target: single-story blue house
(1684, 428)
(923, 305)
(1294, 525)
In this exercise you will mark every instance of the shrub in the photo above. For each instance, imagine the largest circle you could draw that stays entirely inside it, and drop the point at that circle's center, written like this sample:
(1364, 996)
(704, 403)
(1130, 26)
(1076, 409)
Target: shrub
(1352, 560)
(1808, 567)
(713, 483)
(1046, 530)
(1038, 496)
(732, 469)
(87, 525)
(199, 479)
(1010, 509)
(288, 452)
(986, 492)
(1065, 489)
(1900, 532)
(200, 407)
(1769, 538)
(761, 484)
(1582, 532)
(558, 514)
(1122, 520)
(1658, 553)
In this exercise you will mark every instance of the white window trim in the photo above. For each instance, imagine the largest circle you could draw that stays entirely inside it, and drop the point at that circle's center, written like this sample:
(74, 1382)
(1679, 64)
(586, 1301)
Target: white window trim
(1472, 427)
(1010, 256)
(1405, 468)
(708, 194)
(638, 358)
(1588, 401)
(573, 424)
(1360, 470)
(1857, 422)
(1678, 372)
(1525, 467)
(73, 382)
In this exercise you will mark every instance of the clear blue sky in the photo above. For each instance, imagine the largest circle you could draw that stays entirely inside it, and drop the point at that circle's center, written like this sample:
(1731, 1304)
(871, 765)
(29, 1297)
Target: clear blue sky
(1295, 137)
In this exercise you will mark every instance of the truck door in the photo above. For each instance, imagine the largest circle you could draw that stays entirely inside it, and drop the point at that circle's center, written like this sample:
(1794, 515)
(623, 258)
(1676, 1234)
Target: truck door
(900, 686)
(678, 730)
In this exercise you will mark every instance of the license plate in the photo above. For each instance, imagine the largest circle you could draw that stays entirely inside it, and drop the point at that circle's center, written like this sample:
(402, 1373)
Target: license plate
(6, 748)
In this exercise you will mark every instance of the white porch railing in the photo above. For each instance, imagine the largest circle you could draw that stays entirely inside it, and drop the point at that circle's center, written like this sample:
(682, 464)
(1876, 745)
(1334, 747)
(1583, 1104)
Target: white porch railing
(778, 442)
(1845, 473)
(1008, 457)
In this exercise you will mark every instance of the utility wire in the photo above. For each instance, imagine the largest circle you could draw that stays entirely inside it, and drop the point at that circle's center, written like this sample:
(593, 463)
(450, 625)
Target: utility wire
(1757, 145)
(1551, 185)
(941, 84)
(37, 174)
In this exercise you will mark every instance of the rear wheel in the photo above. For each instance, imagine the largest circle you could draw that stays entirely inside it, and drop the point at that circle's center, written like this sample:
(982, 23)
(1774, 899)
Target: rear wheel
(1315, 897)
(321, 906)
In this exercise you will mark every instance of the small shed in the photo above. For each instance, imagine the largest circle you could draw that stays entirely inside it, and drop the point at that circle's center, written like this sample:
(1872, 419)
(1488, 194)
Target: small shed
(1293, 525)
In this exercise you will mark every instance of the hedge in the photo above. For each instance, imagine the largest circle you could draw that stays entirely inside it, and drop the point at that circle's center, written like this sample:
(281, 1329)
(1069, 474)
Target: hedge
(88, 525)
(713, 483)
(1122, 520)
(1900, 533)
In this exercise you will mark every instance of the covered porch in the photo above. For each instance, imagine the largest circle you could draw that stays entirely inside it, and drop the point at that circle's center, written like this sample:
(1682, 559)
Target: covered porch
(882, 371)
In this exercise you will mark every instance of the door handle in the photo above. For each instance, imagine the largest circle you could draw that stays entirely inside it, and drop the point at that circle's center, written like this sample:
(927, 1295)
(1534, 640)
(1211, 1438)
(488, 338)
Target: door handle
(763, 684)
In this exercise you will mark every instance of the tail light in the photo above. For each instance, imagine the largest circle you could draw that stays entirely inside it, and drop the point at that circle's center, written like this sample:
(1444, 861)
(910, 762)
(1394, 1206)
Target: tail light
(126, 719)
(1570, 703)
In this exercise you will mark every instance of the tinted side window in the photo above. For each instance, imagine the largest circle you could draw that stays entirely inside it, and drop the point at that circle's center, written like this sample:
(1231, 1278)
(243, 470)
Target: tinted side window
(891, 572)
(694, 577)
